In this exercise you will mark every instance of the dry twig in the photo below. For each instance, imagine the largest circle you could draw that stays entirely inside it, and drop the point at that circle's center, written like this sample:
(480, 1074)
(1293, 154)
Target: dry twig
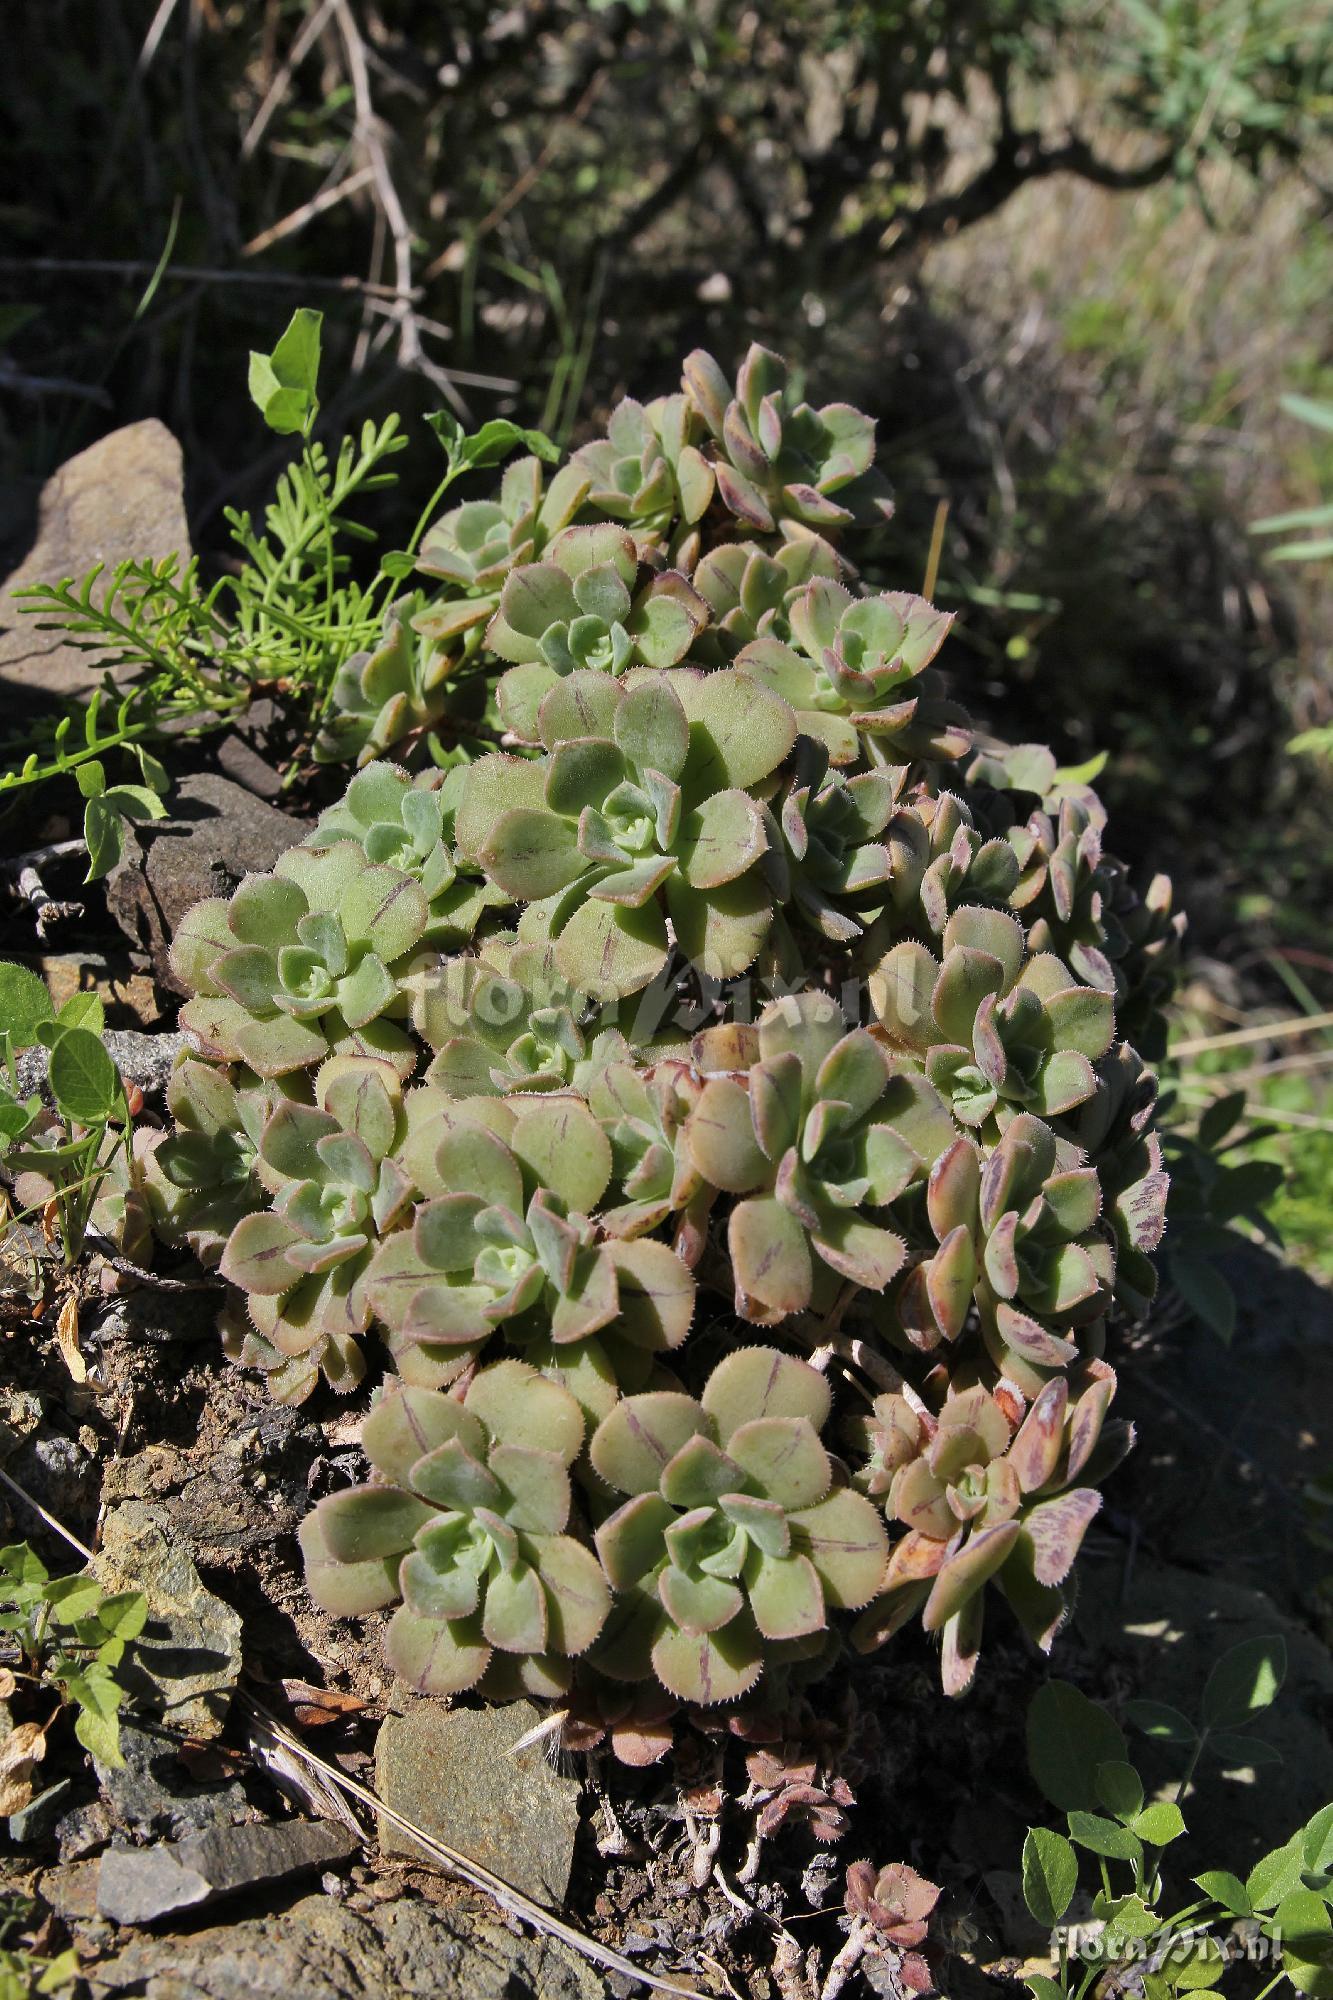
(23, 872)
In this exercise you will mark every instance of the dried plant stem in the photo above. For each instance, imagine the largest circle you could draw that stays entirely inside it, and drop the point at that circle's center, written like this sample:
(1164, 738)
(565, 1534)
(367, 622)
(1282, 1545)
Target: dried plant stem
(203, 274)
(23, 871)
(56, 1527)
(845, 1964)
(277, 90)
(290, 225)
(1263, 1031)
(370, 138)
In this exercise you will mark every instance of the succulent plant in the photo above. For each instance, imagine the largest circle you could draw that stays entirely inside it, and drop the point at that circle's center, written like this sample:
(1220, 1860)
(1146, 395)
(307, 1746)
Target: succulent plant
(1148, 970)
(648, 474)
(507, 1020)
(734, 1544)
(1063, 891)
(815, 1129)
(518, 1249)
(643, 1114)
(986, 1489)
(996, 1026)
(586, 608)
(298, 963)
(409, 826)
(857, 667)
(1018, 1238)
(202, 1177)
(896, 1901)
(336, 1188)
(832, 830)
(948, 860)
(393, 696)
(1113, 1128)
(750, 592)
(474, 547)
(639, 810)
(465, 1523)
(890, 1914)
(778, 462)
(441, 1091)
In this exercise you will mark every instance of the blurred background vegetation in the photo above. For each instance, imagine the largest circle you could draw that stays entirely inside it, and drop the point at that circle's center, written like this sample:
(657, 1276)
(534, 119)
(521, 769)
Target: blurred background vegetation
(1071, 254)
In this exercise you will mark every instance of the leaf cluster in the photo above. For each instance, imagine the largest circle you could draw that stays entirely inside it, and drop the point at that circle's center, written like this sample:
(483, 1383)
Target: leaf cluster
(73, 1143)
(1079, 1758)
(71, 1636)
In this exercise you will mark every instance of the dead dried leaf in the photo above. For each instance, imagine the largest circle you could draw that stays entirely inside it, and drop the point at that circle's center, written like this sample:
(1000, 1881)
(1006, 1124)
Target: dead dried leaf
(20, 1752)
(16, 1791)
(25, 1744)
(7, 1683)
(298, 1780)
(316, 1707)
(67, 1333)
(211, 1763)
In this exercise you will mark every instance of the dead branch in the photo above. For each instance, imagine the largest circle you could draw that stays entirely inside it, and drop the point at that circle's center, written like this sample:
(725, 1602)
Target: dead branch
(22, 872)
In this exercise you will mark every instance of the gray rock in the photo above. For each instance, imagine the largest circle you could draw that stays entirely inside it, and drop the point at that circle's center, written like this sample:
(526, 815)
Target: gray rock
(71, 1889)
(237, 758)
(121, 497)
(450, 1771)
(85, 1829)
(152, 1318)
(150, 1793)
(20, 1416)
(184, 1667)
(138, 1885)
(321, 1950)
(143, 1059)
(38, 1819)
(215, 833)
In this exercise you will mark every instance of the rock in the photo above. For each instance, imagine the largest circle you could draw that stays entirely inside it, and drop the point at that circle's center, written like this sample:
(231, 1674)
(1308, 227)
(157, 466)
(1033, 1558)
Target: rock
(20, 1416)
(1170, 1627)
(38, 1819)
(184, 1667)
(320, 1950)
(215, 833)
(238, 759)
(147, 1060)
(121, 497)
(153, 1319)
(243, 1498)
(71, 1889)
(138, 1885)
(85, 1829)
(122, 989)
(451, 1772)
(151, 1794)
(56, 1470)
(62, 1475)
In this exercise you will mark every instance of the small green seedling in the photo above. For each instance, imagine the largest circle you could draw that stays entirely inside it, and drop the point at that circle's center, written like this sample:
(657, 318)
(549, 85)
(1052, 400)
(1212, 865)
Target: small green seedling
(1079, 1758)
(73, 1143)
(107, 809)
(70, 1636)
(22, 1972)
